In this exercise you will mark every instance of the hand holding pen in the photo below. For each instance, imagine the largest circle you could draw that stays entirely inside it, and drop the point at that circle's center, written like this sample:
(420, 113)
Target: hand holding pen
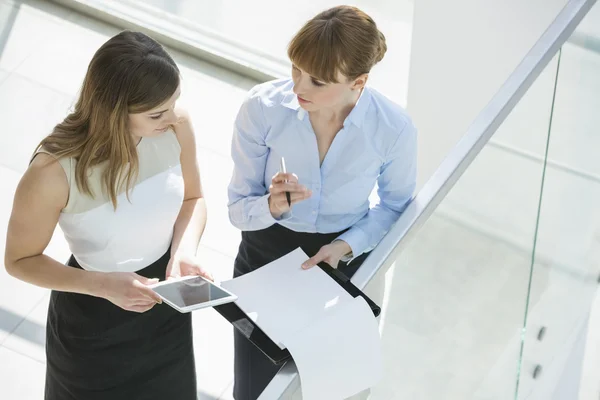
(283, 170)
(285, 191)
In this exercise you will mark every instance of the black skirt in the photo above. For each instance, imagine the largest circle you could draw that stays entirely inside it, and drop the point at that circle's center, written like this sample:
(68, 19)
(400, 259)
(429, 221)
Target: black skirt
(96, 350)
(253, 370)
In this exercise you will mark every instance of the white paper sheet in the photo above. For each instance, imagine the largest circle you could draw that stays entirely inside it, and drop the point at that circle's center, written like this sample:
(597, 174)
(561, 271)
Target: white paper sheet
(339, 355)
(282, 298)
(333, 337)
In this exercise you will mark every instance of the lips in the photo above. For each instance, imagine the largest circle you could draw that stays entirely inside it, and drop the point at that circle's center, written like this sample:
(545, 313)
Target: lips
(301, 100)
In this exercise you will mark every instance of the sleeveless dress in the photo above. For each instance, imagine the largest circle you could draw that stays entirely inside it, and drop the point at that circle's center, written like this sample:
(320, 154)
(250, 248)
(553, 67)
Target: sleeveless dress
(94, 349)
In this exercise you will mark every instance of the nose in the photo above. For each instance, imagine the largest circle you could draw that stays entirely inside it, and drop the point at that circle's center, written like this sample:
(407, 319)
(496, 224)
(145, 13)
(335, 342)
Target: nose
(171, 118)
(300, 86)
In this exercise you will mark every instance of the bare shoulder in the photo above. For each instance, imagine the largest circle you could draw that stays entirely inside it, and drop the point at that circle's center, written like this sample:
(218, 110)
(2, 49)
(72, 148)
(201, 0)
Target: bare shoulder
(183, 116)
(41, 195)
(184, 122)
(184, 129)
(45, 180)
(189, 161)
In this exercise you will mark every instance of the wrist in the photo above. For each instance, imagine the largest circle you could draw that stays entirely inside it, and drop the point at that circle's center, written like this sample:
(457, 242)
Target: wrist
(274, 213)
(182, 251)
(343, 248)
(96, 283)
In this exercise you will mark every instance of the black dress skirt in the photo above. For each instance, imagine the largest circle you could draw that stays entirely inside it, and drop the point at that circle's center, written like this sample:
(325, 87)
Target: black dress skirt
(253, 370)
(96, 350)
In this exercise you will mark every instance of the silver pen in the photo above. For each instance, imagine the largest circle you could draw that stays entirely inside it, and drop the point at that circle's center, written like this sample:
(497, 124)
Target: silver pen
(284, 171)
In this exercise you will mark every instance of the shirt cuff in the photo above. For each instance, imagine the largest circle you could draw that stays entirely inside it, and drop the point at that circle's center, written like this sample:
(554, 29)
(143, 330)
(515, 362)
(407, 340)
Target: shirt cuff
(261, 211)
(357, 240)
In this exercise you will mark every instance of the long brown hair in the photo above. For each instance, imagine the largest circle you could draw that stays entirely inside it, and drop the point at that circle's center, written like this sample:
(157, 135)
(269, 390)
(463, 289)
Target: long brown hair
(342, 38)
(130, 73)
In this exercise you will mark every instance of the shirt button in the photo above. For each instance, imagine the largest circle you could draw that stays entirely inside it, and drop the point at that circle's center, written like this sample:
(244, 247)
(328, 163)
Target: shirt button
(314, 212)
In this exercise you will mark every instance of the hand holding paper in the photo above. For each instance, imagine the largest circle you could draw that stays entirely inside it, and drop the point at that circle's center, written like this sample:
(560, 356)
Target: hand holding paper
(332, 336)
(331, 254)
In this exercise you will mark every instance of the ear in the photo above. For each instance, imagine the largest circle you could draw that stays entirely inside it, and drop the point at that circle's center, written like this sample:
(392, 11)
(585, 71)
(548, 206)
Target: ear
(360, 82)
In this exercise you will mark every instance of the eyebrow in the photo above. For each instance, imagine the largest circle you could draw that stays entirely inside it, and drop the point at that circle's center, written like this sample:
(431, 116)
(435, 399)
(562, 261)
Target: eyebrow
(312, 77)
(163, 111)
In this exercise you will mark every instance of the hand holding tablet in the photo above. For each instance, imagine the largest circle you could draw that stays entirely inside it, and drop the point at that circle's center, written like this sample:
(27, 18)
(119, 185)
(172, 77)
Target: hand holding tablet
(191, 293)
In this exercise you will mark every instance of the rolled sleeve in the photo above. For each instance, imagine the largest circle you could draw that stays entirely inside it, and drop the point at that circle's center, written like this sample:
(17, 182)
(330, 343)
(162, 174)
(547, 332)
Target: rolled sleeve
(357, 240)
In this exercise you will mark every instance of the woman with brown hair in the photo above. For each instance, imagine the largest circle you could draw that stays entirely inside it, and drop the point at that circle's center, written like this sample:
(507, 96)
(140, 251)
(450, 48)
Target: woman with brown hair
(339, 138)
(120, 177)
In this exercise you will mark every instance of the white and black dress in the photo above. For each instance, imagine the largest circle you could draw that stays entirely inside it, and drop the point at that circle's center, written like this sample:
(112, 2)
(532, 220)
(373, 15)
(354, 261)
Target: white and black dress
(96, 350)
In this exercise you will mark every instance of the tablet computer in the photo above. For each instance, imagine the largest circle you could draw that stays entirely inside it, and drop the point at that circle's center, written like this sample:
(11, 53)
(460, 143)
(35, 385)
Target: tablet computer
(191, 293)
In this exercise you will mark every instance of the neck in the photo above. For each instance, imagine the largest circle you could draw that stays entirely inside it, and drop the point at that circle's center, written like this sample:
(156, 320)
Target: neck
(338, 114)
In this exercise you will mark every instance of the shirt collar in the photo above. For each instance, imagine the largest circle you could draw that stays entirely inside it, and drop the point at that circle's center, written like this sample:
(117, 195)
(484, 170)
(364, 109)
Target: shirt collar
(290, 100)
(356, 116)
(359, 112)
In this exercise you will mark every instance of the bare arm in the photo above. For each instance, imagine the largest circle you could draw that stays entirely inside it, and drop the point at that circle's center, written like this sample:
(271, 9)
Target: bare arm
(41, 194)
(40, 197)
(192, 217)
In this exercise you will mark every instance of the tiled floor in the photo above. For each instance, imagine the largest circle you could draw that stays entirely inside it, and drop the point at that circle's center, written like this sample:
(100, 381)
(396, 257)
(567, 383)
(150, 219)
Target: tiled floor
(44, 51)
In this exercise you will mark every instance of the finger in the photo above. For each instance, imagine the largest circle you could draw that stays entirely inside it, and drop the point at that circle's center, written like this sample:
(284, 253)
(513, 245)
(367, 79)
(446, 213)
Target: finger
(207, 275)
(148, 292)
(287, 187)
(141, 308)
(314, 260)
(147, 281)
(280, 177)
(281, 200)
(198, 270)
(332, 263)
(153, 295)
(144, 301)
(298, 197)
(142, 284)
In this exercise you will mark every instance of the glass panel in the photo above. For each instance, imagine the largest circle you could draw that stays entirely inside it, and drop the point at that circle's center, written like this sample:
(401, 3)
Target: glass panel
(455, 301)
(566, 264)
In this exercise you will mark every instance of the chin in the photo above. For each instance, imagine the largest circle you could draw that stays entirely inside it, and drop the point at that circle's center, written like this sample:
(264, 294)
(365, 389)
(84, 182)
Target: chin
(308, 107)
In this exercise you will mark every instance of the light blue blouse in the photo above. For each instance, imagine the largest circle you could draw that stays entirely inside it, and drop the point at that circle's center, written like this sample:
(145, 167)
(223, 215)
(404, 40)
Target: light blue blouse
(377, 145)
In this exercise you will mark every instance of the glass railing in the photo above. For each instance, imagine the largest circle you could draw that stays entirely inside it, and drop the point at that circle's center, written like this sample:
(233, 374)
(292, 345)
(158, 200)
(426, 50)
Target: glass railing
(456, 297)
(566, 263)
(487, 278)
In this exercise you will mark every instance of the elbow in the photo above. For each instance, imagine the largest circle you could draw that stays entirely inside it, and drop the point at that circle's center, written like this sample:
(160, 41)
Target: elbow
(232, 218)
(194, 200)
(10, 264)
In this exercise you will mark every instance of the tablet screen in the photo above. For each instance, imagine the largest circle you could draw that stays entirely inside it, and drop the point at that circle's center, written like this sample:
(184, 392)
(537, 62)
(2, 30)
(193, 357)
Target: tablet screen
(190, 292)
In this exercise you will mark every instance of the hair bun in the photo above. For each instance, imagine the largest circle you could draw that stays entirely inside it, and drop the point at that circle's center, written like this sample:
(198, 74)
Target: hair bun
(382, 48)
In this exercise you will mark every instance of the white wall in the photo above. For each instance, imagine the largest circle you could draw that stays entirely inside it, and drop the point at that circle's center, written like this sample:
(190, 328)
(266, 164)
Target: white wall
(458, 62)
(462, 51)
